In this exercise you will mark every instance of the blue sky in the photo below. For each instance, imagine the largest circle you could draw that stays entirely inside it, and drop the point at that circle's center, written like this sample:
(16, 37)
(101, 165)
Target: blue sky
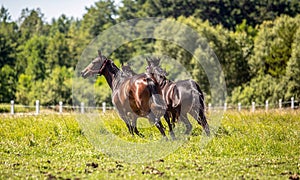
(50, 8)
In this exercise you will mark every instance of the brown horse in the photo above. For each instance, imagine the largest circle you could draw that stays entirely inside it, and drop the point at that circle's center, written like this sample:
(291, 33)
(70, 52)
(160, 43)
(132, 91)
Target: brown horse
(181, 97)
(169, 95)
(133, 96)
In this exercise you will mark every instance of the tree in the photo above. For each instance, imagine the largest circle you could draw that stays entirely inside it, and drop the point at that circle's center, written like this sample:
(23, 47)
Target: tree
(258, 90)
(231, 13)
(4, 15)
(8, 46)
(57, 87)
(224, 44)
(226, 12)
(57, 52)
(98, 18)
(272, 46)
(31, 23)
(32, 59)
(293, 69)
(8, 83)
(274, 63)
(24, 86)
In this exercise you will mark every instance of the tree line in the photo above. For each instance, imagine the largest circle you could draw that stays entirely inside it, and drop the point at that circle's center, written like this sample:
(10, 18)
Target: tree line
(256, 42)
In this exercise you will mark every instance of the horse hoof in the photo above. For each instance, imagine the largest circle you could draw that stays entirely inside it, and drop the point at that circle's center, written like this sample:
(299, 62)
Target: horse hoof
(165, 138)
(141, 135)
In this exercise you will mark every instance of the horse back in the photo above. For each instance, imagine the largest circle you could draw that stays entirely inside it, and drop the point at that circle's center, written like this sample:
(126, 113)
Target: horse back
(190, 94)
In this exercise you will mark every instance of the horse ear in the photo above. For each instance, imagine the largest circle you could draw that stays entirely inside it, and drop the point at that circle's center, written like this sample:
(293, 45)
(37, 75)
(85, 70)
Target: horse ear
(149, 64)
(158, 61)
(99, 53)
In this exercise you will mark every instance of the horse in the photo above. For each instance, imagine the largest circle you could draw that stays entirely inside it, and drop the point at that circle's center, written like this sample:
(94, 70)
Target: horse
(133, 96)
(182, 97)
(176, 107)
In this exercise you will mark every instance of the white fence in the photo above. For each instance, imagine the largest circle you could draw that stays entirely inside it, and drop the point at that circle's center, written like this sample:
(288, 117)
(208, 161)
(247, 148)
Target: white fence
(280, 105)
(60, 108)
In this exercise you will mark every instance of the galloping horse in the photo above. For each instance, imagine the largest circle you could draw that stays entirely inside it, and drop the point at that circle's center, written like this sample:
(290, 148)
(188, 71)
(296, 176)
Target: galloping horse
(182, 97)
(133, 96)
(169, 98)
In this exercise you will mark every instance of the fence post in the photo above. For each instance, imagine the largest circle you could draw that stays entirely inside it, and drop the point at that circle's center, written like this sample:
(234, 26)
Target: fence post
(82, 107)
(253, 106)
(37, 107)
(267, 105)
(12, 107)
(280, 103)
(225, 106)
(292, 103)
(209, 106)
(103, 107)
(239, 106)
(60, 106)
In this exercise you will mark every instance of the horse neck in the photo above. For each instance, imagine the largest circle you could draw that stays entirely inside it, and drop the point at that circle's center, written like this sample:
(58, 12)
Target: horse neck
(110, 73)
(162, 82)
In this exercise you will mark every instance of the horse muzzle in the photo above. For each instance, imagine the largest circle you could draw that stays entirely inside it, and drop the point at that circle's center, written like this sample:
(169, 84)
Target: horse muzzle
(85, 73)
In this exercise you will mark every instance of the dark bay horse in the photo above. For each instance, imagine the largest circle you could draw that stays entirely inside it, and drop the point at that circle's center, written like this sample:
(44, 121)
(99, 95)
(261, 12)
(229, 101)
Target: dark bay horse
(133, 96)
(169, 95)
(181, 97)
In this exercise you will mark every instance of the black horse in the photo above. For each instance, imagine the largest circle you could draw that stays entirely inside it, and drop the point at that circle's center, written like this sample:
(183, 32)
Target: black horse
(181, 97)
(133, 96)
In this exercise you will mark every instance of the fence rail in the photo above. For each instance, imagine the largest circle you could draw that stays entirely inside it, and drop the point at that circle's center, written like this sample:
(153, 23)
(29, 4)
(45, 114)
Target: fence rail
(61, 108)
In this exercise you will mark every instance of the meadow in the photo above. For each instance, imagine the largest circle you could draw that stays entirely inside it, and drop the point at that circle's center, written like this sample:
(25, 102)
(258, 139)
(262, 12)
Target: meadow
(245, 146)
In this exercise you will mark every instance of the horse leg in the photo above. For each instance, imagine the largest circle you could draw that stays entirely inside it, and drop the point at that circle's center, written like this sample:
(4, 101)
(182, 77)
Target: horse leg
(201, 119)
(175, 116)
(204, 123)
(188, 125)
(158, 124)
(136, 131)
(167, 118)
(128, 124)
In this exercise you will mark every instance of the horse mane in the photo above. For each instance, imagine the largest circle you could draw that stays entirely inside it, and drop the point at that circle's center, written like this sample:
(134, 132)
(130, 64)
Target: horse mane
(119, 75)
(153, 63)
(127, 70)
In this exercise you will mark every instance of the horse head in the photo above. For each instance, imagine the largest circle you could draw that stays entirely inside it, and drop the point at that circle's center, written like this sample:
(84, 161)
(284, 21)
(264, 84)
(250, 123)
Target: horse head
(95, 67)
(155, 71)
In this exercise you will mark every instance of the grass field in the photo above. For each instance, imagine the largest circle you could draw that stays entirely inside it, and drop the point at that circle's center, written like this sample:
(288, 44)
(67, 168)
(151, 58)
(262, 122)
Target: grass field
(246, 146)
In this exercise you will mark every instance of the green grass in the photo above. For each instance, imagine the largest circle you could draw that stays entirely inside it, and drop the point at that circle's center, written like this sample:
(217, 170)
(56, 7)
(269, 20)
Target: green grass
(246, 146)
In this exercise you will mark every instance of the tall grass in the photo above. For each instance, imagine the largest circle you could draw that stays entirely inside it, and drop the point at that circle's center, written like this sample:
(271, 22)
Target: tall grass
(246, 145)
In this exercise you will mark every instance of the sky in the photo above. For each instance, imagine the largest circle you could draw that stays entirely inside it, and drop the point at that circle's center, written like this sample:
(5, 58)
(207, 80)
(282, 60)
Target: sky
(50, 8)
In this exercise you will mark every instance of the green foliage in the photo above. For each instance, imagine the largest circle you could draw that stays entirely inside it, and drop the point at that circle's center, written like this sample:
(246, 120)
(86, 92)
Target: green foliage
(57, 87)
(32, 23)
(98, 18)
(293, 69)
(259, 90)
(273, 46)
(225, 12)
(24, 86)
(8, 83)
(255, 42)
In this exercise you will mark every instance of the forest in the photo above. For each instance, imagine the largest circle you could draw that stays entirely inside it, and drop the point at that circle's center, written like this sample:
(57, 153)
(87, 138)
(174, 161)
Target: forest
(257, 42)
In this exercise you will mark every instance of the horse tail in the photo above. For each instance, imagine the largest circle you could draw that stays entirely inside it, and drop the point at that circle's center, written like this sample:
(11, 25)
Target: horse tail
(202, 116)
